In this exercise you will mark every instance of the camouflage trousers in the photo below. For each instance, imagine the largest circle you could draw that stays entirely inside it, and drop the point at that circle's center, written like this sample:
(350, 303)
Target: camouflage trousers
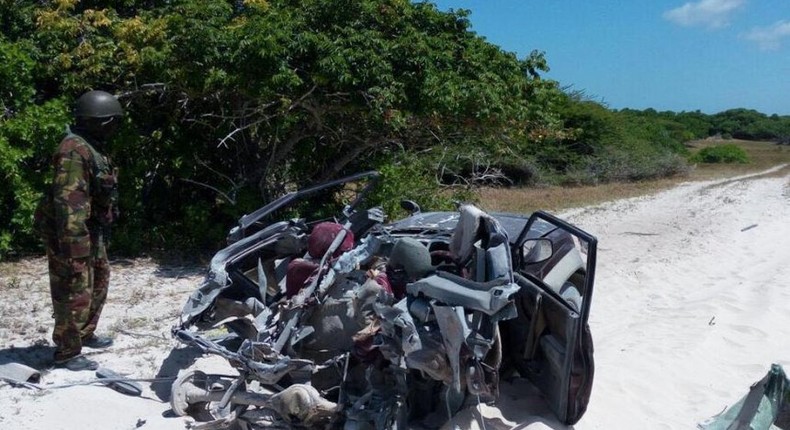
(78, 296)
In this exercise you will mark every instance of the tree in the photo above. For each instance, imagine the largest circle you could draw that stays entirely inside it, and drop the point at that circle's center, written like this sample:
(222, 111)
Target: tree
(233, 103)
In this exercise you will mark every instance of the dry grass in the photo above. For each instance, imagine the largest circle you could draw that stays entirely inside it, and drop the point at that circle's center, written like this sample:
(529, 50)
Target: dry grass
(763, 155)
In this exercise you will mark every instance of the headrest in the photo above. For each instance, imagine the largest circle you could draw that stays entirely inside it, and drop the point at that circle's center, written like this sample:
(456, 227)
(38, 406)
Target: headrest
(413, 256)
(299, 272)
(466, 232)
(322, 236)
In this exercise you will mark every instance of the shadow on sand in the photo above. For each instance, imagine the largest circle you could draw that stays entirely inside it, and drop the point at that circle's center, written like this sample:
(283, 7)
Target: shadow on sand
(37, 356)
(178, 359)
(520, 407)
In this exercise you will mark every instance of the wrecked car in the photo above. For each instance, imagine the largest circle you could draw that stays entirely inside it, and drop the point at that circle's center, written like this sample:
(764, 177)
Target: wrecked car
(338, 319)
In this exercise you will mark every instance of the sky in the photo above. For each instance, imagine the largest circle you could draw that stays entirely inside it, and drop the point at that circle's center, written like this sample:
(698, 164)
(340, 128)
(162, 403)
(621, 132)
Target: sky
(706, 55)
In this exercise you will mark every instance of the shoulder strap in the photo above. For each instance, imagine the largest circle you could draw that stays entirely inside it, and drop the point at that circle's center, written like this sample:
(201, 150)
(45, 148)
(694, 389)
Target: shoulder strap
(97, 160)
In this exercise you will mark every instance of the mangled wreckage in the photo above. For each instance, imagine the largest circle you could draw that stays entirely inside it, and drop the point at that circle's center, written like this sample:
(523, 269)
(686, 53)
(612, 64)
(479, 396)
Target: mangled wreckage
(344, 321)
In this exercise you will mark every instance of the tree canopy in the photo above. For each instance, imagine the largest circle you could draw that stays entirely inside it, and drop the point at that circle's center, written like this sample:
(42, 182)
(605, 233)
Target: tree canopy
(232, 103)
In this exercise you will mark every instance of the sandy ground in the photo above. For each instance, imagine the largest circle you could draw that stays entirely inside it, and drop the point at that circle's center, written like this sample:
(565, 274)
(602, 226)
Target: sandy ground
(691, 306)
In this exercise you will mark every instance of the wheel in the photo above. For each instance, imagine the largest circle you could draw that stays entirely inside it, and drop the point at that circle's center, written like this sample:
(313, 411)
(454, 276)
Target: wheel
(192, 393)
(183, 393)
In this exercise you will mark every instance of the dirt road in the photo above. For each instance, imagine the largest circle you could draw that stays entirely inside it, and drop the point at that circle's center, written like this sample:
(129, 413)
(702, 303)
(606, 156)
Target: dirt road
(692, 303)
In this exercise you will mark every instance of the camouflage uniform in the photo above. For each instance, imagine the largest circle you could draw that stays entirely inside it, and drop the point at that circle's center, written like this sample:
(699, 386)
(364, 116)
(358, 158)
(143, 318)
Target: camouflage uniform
(72, 219)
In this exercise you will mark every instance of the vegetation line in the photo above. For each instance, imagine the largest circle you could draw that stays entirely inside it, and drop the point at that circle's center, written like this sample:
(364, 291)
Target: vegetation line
(766, 158)
(230, 105)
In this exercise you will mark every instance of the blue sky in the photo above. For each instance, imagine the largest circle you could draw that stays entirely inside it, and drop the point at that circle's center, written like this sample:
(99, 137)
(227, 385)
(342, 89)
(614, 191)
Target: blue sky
(707, 55)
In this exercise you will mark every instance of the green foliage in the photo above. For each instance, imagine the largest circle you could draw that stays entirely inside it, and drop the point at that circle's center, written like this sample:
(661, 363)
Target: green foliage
(26, 139)
(725, 153)
(232, 104)
(614, 165)
(750, 125)
(410, 177)
(16, 75)
(597, 144)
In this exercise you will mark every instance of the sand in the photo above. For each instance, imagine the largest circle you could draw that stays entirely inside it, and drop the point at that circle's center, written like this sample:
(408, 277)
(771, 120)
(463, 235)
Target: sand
(691, 306)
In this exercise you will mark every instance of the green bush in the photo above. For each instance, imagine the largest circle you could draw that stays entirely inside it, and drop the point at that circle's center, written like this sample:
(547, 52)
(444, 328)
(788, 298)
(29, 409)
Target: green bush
(407, 177)
(622, 166)
(231, 104)
(27, 140)
(726, 153)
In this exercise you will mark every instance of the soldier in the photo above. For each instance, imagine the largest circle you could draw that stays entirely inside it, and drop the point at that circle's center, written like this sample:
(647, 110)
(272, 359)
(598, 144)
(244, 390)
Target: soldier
(73, 219)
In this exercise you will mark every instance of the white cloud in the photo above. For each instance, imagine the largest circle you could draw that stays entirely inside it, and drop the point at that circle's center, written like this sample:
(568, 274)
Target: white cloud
(769, 38)
(706, 13)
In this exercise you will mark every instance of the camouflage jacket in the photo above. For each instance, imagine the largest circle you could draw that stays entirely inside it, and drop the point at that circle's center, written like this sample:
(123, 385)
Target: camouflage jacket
(82, 199)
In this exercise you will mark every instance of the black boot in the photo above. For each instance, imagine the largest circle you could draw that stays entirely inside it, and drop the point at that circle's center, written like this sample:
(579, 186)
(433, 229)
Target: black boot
(97, 341)
(78, 363)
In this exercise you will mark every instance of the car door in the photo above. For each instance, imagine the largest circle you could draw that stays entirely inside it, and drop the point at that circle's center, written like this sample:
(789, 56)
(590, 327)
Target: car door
(550, 342)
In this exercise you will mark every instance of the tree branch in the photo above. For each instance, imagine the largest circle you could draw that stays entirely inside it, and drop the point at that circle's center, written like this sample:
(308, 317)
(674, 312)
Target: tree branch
(225, 196)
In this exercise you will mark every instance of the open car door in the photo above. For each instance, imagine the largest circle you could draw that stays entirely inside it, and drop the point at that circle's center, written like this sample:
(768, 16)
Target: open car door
(550, 342)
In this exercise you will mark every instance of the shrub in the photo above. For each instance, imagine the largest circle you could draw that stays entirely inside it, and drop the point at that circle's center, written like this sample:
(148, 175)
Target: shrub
(727, 153)
(27, 140)
(407, 177)
(614, 165)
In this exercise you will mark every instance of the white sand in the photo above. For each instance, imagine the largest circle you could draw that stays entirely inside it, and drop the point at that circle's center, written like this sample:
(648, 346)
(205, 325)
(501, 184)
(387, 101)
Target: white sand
(690, 308)
(686, 320)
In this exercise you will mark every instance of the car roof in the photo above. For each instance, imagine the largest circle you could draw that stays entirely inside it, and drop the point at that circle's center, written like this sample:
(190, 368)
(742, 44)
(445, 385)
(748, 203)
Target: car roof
(446, 221)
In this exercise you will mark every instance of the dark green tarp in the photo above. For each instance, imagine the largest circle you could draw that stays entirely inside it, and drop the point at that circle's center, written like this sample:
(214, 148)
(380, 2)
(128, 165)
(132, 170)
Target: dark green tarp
(765, 407)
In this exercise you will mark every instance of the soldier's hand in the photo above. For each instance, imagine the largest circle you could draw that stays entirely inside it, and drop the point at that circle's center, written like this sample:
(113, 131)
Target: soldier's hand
(78, 265)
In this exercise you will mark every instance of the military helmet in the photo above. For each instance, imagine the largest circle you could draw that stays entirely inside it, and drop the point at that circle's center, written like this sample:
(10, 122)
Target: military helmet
(97, 104)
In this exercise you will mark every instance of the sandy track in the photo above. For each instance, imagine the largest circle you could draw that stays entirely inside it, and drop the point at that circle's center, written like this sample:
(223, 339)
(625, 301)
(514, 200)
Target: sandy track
(692, 305)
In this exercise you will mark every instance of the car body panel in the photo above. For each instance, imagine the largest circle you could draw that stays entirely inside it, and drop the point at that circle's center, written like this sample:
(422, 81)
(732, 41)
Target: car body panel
(561, 364)
(508, 315)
